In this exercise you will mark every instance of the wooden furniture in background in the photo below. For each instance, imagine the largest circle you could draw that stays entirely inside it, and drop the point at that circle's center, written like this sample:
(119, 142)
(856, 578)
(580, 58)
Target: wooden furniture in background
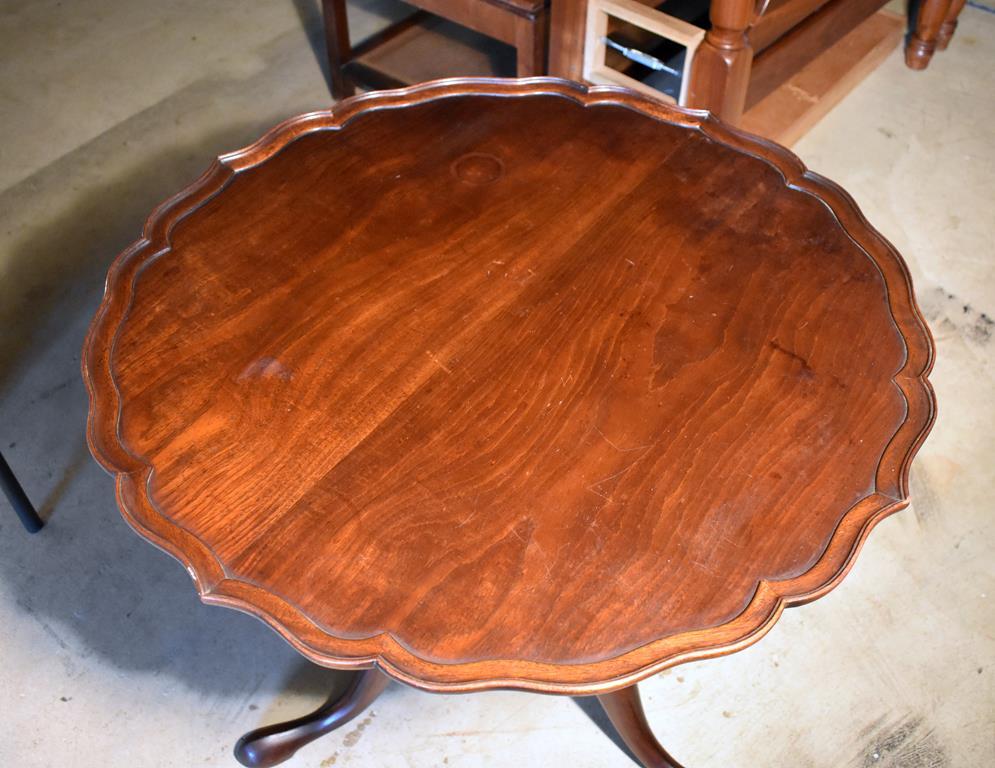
(753, 47)
(791, 110)
(508, 384)
(935, 24)
(523, 24)
(595, 50)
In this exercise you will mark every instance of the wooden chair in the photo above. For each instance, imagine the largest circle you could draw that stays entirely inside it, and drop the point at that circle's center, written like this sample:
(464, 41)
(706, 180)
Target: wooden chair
(523, 24)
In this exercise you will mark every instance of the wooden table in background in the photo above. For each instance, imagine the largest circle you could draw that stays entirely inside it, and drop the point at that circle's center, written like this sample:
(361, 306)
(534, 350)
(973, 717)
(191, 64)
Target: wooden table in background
(776, 67)
(497, 384)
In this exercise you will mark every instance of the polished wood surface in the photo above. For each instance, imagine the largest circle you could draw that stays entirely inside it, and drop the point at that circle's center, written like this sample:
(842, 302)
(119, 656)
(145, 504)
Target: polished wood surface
(509, 384)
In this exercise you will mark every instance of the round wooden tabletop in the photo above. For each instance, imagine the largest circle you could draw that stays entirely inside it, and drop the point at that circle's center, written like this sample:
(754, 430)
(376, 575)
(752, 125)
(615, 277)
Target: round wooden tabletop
(509, 383)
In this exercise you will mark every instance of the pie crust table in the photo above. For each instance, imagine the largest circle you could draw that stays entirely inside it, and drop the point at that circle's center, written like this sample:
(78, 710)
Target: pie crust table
(508, 384)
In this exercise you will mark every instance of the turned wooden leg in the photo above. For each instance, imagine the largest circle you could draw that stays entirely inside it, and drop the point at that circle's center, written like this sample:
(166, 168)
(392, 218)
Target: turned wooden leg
(273, 744)
(919, 49)
(625, 709)
(720, 71)
(949, 25)
(337, 46)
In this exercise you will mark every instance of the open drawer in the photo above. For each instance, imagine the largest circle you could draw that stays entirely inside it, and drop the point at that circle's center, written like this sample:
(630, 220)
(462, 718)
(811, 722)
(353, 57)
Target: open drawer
(635, 45)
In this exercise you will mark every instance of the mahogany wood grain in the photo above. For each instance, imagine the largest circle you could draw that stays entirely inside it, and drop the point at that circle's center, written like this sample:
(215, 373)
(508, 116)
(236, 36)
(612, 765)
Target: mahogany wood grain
(509, 384)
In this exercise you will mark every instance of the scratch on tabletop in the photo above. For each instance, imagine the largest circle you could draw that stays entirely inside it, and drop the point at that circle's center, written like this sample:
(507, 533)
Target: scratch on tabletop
(439, 363)
(618, 448)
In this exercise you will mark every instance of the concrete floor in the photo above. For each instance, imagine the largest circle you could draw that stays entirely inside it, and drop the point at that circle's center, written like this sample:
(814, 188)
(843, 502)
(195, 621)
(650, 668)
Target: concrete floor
(108, 659)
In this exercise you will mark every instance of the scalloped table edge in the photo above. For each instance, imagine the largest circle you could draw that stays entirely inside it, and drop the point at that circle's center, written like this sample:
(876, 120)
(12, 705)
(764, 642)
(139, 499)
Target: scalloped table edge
(383, 650)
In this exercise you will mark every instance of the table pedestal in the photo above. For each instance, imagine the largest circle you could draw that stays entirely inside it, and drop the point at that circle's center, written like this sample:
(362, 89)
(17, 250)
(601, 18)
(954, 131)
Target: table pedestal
(275, 743)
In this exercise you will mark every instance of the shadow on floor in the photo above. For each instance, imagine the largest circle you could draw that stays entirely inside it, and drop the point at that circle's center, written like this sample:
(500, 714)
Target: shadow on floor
(310, 15)
(86, 579)
(589, 706)
(101, 593)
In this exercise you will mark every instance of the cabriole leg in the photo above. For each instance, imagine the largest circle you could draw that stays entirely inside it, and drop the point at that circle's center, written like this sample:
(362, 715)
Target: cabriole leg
(625, 710)
(273, 744)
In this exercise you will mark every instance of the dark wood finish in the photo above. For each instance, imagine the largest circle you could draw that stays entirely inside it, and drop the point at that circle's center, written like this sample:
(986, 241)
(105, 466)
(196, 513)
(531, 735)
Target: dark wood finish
(823, 29)
(273, 744)
(949, 25)
(721, 71)
(509, 384)
(337, 47)
(344, 64)
(523, 24)
(931, 18)
(625, 710)
(531, 43)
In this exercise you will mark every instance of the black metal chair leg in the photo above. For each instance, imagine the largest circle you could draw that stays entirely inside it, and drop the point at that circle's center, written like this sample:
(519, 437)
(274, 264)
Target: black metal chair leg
(18, 498)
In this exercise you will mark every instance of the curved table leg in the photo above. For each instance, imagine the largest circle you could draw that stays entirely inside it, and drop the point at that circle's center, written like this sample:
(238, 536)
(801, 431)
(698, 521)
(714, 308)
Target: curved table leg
(625, 710)
(273, 744)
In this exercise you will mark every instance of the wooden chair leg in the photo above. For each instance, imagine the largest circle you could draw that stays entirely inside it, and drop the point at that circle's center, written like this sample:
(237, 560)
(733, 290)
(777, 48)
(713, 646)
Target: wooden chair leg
(949, 25)
(273, 744)
(720, 72)
(625, 710)
(337, 46)
(922, 43)
(531, 44)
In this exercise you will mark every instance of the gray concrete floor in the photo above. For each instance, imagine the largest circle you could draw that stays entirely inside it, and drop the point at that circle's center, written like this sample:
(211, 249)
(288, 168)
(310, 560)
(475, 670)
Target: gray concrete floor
(108, 659)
